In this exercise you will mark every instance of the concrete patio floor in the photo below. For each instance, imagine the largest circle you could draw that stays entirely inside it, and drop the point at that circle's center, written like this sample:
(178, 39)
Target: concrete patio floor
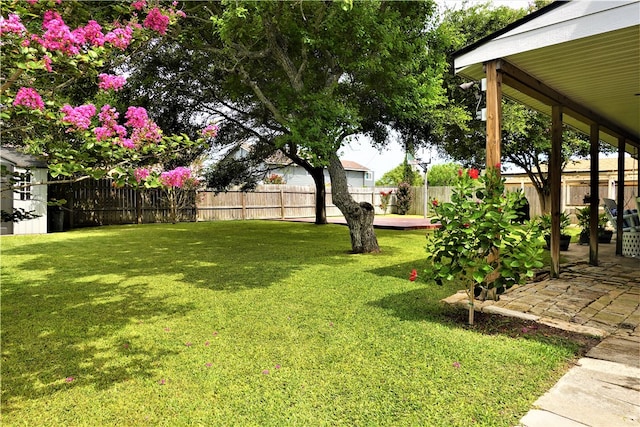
(603, 389)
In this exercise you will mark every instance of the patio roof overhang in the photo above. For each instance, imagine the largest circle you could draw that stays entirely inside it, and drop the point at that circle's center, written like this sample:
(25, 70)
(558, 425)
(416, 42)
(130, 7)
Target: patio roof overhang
(582, 55)
(577, 61)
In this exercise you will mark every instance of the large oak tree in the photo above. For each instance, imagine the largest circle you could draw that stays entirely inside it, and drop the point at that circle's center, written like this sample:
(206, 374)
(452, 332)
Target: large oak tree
(304, 77)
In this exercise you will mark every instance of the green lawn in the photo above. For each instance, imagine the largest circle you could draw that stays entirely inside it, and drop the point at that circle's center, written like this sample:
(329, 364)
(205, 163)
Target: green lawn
(248, 323)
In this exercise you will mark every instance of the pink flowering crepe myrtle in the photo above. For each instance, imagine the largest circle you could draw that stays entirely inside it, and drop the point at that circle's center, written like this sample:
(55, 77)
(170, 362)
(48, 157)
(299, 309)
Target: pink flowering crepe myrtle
(12, 25)
(110, 81)
(29, 98)
(78, 117)
(176, 178)
(56, 42)
(210, 131)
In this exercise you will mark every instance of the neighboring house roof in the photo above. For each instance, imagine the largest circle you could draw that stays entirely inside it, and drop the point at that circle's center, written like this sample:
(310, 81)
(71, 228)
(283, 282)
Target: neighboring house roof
(21, 160)
(353, 166)
(606, 165)
(586, 52)
(279, 159)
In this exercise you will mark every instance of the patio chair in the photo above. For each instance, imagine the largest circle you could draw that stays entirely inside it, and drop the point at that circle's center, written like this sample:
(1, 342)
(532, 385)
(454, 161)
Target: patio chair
(630, 219)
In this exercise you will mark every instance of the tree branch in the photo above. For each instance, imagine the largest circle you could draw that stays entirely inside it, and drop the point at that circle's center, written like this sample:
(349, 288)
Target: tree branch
(11, 80)
(265, 101)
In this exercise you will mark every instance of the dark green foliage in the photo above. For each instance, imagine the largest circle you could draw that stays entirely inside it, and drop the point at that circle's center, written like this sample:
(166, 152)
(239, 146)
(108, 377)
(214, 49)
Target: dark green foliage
(18, 214)
(404, 198)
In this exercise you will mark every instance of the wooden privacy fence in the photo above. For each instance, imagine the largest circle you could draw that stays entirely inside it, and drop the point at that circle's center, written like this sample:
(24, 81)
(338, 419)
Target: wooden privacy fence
(100, 203)
(275, 202)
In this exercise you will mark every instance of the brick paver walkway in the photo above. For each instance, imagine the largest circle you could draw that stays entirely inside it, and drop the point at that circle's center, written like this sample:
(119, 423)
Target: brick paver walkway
(599, 300)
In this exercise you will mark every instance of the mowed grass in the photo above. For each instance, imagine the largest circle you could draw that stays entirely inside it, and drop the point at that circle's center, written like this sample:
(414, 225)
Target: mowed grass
(252, 323)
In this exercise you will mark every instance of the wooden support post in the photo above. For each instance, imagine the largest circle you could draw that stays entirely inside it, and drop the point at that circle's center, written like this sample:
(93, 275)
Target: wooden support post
(620, 195)
(494, 113)
(555, 171)
(594, 191)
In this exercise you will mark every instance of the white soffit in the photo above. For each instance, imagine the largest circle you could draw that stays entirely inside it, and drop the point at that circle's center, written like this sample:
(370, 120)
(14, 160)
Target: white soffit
(586, 51)
(571, 21)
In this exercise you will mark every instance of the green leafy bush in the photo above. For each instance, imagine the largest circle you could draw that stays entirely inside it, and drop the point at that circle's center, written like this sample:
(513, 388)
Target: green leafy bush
(404, 198)
(478, 242)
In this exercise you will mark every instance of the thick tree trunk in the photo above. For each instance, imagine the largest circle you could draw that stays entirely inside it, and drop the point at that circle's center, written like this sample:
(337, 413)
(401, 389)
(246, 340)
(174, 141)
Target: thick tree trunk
(545, 200)
(359, 216)
(321, 195)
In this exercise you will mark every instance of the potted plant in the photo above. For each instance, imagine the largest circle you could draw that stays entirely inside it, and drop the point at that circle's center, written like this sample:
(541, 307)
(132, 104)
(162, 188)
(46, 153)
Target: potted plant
(604, 234)
(545, 226)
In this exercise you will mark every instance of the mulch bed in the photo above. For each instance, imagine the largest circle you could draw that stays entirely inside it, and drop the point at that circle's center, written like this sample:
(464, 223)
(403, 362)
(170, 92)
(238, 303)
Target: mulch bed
(492, 324)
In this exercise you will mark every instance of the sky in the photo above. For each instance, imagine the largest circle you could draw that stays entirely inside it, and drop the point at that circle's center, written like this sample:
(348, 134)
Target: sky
(380, 162)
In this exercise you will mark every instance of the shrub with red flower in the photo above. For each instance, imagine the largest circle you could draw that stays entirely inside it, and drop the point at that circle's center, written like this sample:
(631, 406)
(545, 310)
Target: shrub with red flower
(478, 243)
(385, 198)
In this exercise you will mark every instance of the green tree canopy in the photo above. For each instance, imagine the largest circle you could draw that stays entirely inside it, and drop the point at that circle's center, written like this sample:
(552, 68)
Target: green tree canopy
(526, 139)
(444, 174)
(397, 175)
(304, 77)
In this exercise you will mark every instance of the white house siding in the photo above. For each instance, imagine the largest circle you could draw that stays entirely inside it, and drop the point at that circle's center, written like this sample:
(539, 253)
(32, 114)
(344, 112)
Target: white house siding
(37, 204)
(295, 175)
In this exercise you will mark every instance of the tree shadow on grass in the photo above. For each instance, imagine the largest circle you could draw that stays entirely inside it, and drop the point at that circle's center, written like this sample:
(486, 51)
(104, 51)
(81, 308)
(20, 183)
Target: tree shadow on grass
(67, 334)
(417, 305)
(72, 303)
(424, 304)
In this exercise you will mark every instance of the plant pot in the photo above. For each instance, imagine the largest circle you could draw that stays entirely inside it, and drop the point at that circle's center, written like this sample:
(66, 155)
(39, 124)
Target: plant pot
(564, 242)
(604, 236)
(584, 237)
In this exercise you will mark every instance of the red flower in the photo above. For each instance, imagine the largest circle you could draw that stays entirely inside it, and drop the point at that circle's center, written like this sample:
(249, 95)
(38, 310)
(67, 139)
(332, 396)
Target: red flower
(414, 275)
(460, 173)
(466, 225)
(434, 202)
(498, 166)
(474, 173)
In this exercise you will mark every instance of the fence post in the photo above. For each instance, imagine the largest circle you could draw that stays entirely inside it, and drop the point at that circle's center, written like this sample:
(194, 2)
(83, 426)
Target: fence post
(138, 206)
(281, 202)
(244, 205)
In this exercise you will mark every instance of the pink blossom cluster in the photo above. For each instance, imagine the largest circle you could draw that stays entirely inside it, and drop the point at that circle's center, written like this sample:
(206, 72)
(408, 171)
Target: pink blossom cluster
(46, 61)
(138, 5)
(79, 117)
(92, 33)
(59, 37)
(140, 174)
(109, 119)
(110, 81)
(136, 117)
(120, 37)
(156, 21)
(28, 97)
(144, 129)
(12, 25)
(210, 131)
(177, 177)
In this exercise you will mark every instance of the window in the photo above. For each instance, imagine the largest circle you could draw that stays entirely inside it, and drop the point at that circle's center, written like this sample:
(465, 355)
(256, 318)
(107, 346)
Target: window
(368, 176)
(24, 186)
